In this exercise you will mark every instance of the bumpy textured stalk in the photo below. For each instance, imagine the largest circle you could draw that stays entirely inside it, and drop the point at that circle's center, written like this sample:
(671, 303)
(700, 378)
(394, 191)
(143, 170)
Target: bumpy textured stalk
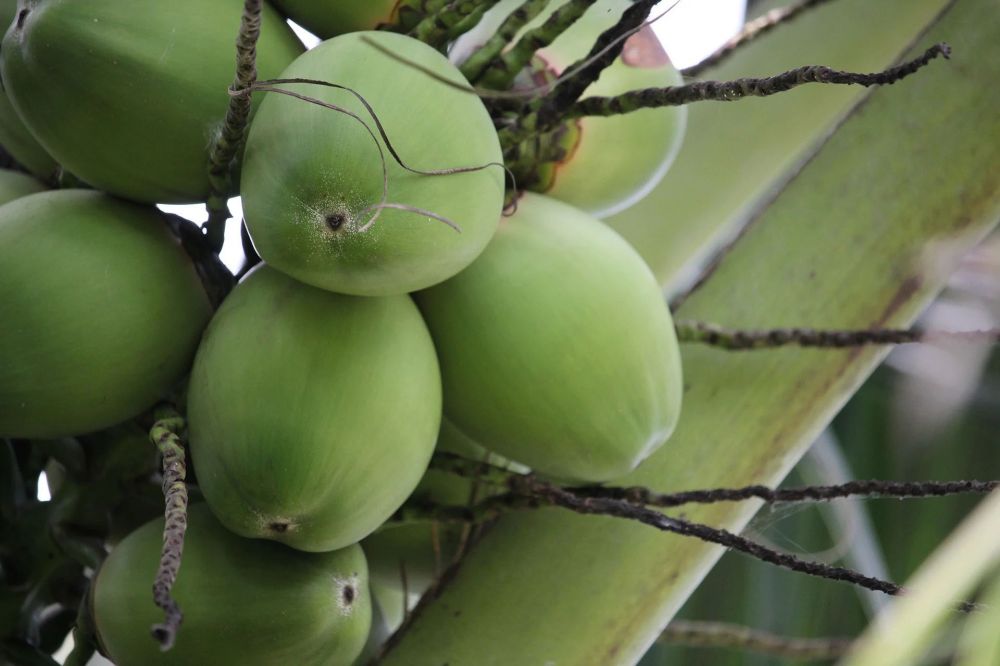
(606, 49)
(233, 133)
(409, 13)
(746, 340)
(165, 434)
(728, 91)
(507, 30)
(501, 71)
(437, 28)
(749, 417)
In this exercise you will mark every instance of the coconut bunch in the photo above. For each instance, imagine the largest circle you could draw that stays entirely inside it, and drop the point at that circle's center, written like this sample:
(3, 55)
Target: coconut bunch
(413, 293)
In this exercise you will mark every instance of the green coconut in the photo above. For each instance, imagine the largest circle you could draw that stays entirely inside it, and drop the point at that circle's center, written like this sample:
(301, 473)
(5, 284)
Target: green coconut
(615, 160)
(14, 136)
(556, 347)
(244, 602)
(327, 18)
(101, 312)
(312, 415)
(130, 96)
(312, 176)
(14, 185)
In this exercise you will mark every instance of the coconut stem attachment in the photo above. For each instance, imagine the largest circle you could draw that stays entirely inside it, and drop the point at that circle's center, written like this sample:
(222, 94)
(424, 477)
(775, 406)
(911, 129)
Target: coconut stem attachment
(502, 69)
(166, 435)
(233, 133)
(747, 340)
(728, 91)
(486, 54)
(409, 13)
(452, 20)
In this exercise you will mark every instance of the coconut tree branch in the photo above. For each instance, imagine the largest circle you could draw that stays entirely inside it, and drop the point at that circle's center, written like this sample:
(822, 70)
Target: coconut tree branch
(232, 135)
(489, 52)
(166, 435)
(725, 635)
(868, 489)
(501, 71)
(728, 91)
(498, 477)
(564, 498)
(761, 25)
(746, 340)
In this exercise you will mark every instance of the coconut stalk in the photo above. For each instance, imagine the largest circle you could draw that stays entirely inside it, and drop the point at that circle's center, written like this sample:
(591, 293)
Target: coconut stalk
(867, 232)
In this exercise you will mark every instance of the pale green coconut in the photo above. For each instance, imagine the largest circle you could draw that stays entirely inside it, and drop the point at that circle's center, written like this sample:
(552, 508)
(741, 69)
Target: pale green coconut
(101, 311)
(312, 415)
(557, 349)
(246, 602)
(313, 177)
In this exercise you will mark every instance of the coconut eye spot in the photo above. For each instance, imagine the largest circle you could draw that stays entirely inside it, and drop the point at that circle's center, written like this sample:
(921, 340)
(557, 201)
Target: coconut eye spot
(336, 221)
(346, 590)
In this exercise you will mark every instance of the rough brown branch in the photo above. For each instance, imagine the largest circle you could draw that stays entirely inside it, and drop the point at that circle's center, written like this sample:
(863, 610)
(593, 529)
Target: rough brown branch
(746, 340)
(166, 435)
(728, 91)
(233, 132)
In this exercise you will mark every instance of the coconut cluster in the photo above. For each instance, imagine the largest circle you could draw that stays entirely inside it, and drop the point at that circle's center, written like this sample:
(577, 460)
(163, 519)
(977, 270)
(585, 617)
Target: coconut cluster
(408, 301)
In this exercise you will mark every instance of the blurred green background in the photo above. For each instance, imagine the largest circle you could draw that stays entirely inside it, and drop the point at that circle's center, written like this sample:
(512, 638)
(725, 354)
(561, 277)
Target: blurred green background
(930, 412)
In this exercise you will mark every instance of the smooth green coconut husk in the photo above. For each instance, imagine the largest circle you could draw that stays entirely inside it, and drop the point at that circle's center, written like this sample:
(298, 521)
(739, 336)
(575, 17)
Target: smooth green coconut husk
(101, 312)
(130, 97)
(14, 185)
(312, 174)
(244, 602)
(328, 18)
(630, 152)
(15, 138)
(556, 347)
(312, 415)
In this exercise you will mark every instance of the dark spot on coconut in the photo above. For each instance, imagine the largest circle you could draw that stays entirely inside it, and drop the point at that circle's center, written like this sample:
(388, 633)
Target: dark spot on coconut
(21, 17)
(348, 594)
(336, 220)
(279, 527)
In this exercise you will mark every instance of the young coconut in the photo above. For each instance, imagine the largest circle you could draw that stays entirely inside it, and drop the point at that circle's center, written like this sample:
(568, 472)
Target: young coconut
(314, 178)
(312, 415)
(130, 96)
(244, 602)
(102, 311)
(14, 185)
(14, 136)
(328, 18)
(631, 152)
(556, 347)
